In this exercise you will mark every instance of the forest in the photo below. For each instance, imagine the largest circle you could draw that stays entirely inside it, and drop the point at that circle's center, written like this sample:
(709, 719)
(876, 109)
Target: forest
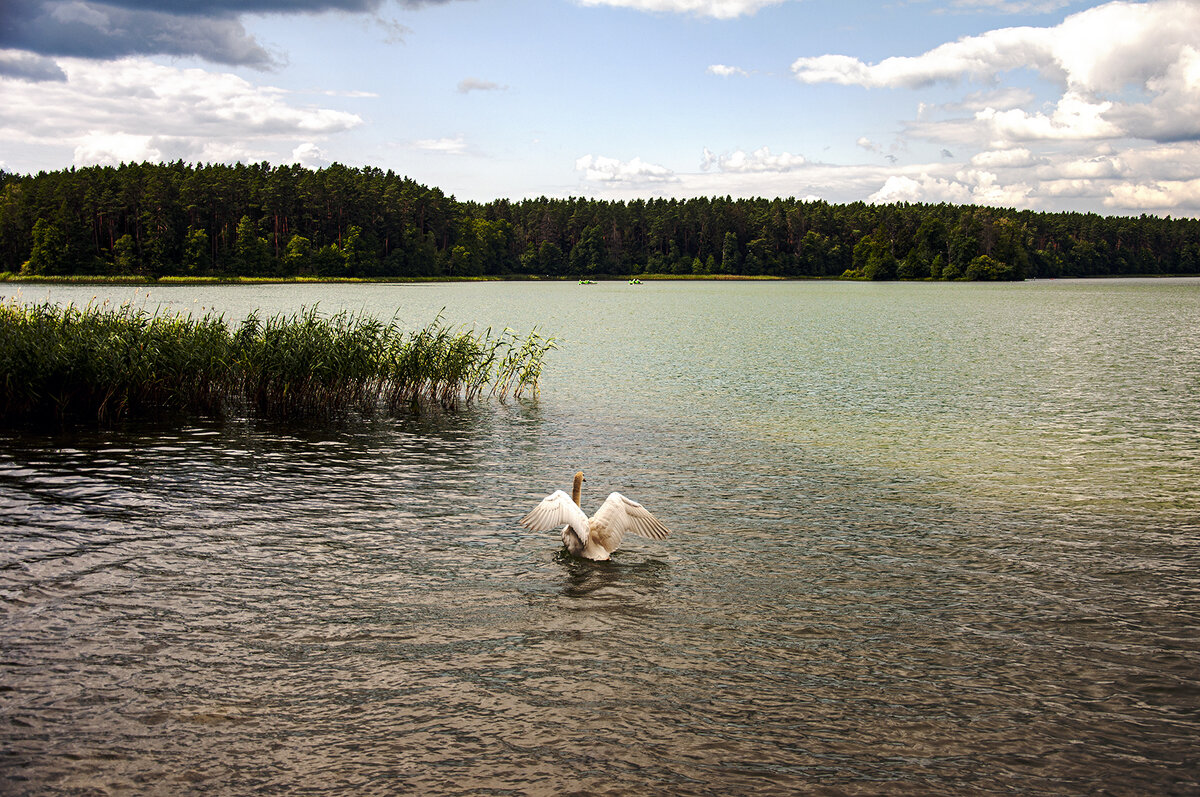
(258, 220)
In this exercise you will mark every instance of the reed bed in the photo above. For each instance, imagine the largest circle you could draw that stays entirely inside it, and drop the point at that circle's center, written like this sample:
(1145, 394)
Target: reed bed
(111, 362)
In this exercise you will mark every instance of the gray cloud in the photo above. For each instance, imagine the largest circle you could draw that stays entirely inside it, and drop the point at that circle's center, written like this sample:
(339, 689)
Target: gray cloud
(204, 8)
(99, 30)
(209, 29)
(27, 66)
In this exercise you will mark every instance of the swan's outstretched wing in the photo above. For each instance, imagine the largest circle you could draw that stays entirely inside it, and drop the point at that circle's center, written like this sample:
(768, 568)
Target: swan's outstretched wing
(621, 515)
(557, 510)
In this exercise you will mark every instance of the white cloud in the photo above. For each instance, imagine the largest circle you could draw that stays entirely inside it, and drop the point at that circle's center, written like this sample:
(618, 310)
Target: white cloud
(1156, 195)
(134, 109)
(718, 9)
(112, 149)
(966, 186)
(814, 180)
(1012, 6)
(760, 160)
(1005, 159)
(1001, 99)
(230, 151)
(1091, 176)
(977, 57)
(988, 189)
(721, 70)
(1174, 113)
(599, 169)
(1098, 168)
(354, 93)
(467, 85)
(1073, 118)
(1157, 179)
(1059, 189)
(448, 146)
(1122, 130)
(309, 155)
(1101, 49)
(1096, 56)
(889, 154)
(923, 188)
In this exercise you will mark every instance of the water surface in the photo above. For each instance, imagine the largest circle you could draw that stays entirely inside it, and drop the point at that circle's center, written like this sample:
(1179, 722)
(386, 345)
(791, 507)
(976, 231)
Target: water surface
(927, 539)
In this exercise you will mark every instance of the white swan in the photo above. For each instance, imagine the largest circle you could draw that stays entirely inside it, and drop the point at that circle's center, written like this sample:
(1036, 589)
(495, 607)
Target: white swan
(598, 536)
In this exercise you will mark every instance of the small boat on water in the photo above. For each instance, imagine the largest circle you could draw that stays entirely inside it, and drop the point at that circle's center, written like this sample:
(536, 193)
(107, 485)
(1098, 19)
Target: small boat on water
(587, 282)
(635, 281)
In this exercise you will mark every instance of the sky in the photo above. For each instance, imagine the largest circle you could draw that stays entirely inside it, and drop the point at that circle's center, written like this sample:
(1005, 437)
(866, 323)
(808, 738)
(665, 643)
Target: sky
(1041, 104)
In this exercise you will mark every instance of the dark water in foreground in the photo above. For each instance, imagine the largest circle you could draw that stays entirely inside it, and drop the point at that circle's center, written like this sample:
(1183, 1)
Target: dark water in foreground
(926, 540)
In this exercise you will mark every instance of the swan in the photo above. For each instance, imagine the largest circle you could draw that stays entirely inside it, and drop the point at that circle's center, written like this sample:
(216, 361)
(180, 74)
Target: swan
(598, 536)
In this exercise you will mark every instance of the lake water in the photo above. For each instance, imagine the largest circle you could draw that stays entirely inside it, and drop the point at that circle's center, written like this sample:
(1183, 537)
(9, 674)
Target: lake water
(926, 539)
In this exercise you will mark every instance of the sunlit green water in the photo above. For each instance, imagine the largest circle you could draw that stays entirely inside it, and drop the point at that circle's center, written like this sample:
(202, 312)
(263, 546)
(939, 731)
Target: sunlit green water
(928, 538)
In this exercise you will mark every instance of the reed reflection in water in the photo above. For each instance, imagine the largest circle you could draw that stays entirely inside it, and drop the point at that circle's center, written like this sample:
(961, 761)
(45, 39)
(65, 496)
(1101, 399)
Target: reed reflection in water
(855, 599)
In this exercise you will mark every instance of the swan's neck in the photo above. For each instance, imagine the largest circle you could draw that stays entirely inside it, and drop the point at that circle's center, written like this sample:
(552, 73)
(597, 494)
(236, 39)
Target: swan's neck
(577, 488)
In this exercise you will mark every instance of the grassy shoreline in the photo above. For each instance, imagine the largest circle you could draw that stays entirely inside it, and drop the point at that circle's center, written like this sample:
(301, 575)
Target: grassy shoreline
(95, 279)
(136, 280)
(108, 362)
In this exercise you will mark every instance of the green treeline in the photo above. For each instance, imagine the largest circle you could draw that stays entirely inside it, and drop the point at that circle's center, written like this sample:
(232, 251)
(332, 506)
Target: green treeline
(259, 220)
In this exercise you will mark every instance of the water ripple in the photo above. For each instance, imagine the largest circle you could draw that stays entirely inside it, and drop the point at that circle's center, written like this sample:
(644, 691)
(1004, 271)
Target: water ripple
(951, 555)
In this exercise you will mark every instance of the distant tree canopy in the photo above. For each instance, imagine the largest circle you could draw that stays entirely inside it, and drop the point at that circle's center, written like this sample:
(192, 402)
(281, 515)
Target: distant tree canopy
(262, 220)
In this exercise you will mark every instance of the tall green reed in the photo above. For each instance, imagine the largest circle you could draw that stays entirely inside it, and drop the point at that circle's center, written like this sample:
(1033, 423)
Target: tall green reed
(121, 361)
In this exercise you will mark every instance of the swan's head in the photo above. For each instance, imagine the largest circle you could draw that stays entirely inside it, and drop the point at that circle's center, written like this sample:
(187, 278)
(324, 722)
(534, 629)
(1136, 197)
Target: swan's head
(577, 487)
